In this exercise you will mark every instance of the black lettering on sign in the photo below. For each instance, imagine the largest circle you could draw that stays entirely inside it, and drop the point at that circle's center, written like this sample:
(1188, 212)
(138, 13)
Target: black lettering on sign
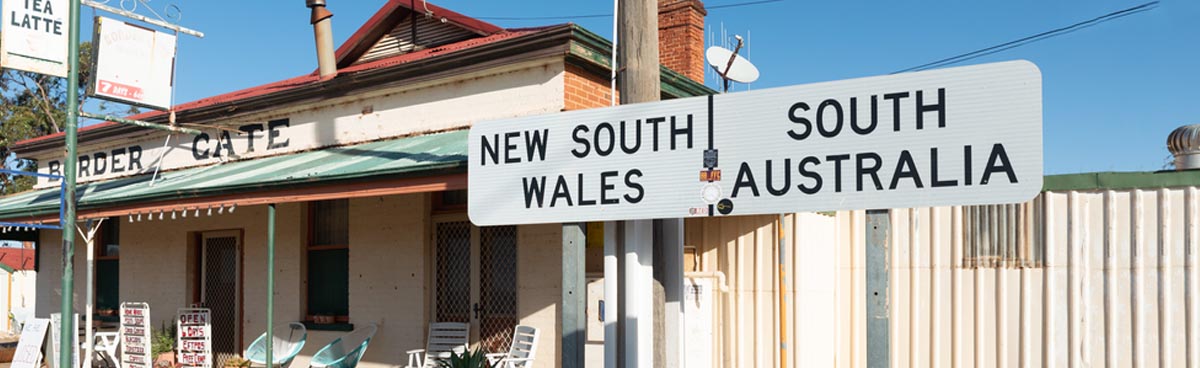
(135, 157)
(575, 136)
(83, 166)
(837, 171)
(641, 192)
(55, 168)
(799, 120)
(906, 168)
(787, 178)
(998, 154)
(196, 154)
(100, 163)
(509, 146)
(896, 97)
(939, 108)
(745, 178)
(872, 170)
(561, 191)
(677, 131)
(249, 130)
(117, 167)
(534, 189)
(816, 187)
(273, 133)
(934, 181)
(605, 187)
(837, 127)
(582, 201)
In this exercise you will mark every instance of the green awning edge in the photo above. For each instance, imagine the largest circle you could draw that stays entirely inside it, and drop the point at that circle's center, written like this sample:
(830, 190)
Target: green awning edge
(592, 51)
(6, 267)
(1120, 180)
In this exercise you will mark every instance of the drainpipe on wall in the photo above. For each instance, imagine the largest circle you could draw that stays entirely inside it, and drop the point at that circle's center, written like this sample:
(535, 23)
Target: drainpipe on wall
(323, 34)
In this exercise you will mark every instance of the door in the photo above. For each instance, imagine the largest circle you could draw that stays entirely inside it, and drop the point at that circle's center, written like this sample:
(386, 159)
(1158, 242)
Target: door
(221, 290)
(476, 280)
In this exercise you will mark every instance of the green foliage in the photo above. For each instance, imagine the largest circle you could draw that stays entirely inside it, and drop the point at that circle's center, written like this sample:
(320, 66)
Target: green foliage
(468, 359)
(163, 340)
(33, 105)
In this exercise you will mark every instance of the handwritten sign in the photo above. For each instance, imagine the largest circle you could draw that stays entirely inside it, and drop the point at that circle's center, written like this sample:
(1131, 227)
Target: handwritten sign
(194, 337)
(29, 354)
(135, 335)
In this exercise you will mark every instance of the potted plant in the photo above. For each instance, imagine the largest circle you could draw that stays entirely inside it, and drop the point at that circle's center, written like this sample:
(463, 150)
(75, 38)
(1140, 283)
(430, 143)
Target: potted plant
(468, 359)
(162, 347)
(237, 362)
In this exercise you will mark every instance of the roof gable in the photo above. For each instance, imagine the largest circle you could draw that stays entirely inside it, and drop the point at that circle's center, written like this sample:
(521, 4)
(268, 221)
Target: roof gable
(389, 31)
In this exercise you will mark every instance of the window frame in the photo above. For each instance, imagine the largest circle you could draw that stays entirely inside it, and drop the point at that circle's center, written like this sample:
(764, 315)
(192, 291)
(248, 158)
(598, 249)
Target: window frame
(310, 238)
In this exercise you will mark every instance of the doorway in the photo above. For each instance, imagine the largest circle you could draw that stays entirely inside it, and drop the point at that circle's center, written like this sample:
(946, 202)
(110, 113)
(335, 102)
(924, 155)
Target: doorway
(221, 290)
(475, 280)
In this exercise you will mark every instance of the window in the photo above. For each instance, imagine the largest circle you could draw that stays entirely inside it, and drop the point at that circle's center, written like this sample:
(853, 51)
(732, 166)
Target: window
(1001, 236)
(328, 254)
(108, 267)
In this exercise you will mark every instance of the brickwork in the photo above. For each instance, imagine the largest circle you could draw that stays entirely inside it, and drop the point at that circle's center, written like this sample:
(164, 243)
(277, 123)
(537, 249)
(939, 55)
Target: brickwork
(681, 37)
(585, 90)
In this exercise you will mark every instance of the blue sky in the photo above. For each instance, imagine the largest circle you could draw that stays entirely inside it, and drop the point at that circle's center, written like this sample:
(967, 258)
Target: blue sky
(1112, 92)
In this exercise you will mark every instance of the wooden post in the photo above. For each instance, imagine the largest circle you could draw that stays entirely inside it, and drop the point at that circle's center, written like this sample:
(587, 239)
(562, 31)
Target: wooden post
(638, 81)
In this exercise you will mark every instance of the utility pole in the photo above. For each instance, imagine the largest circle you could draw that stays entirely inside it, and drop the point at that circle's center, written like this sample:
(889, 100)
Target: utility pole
(67, 333)
(641, 304)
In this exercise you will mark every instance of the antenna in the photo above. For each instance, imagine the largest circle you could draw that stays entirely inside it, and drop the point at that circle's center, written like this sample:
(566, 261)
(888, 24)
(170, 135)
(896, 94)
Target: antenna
(730, 66)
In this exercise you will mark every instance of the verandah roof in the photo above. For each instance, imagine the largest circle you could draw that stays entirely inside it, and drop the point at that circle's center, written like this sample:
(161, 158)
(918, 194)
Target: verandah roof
(404, 157)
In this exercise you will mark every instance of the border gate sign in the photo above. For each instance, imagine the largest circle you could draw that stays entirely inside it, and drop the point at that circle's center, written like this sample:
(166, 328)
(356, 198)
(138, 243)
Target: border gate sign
(33, 37)
(957, 136)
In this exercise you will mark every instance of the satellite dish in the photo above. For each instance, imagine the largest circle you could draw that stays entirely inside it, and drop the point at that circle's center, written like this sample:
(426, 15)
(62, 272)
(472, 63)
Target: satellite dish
(730, 65)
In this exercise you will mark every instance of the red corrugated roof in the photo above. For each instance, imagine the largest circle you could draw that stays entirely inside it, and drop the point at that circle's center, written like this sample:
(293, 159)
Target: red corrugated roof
(379, 24)
(19, 259)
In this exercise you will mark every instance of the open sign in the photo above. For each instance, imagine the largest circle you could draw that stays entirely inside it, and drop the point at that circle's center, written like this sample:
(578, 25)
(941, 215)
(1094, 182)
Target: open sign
(193, 318)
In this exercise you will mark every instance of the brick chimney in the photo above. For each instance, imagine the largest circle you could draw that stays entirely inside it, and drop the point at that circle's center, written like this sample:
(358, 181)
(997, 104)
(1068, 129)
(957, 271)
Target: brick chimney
(681, 37)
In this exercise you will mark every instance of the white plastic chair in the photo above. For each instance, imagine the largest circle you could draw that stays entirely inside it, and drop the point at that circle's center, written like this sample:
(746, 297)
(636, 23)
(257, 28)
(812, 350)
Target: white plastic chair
(107, 342)
(288, 339)
(522, 351)
(444, 338)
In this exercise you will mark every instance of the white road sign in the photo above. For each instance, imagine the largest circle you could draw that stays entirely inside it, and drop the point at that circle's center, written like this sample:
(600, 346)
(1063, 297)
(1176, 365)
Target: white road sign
(134, 64)
(33, 37)
(957, 136)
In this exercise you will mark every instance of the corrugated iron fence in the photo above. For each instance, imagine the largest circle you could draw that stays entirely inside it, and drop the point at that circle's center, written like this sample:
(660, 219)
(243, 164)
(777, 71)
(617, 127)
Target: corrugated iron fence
(1070, 279)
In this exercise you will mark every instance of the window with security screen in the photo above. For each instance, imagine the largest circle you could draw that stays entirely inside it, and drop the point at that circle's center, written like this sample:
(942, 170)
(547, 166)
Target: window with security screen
(328, 259)
(1001, 236)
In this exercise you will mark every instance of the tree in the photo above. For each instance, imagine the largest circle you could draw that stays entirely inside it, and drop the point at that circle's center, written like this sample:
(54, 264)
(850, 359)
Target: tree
(33, 105)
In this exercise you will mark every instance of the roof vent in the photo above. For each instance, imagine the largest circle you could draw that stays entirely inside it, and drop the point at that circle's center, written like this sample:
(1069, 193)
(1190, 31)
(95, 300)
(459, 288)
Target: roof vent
(1184, 144)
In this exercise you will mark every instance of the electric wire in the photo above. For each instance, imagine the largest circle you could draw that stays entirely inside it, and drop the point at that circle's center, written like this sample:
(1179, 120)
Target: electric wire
(1034, 38)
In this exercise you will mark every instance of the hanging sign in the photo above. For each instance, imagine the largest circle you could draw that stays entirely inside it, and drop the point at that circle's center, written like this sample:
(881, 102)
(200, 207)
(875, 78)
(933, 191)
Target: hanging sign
(135, 335)
(133, 64)
(29, 346)
(33, 36)
(957, 136)
(56, 341)
(194, 337)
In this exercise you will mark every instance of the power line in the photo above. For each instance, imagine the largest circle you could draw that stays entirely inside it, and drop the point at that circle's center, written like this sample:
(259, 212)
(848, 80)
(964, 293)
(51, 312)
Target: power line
(1034, 38)
(608, 15)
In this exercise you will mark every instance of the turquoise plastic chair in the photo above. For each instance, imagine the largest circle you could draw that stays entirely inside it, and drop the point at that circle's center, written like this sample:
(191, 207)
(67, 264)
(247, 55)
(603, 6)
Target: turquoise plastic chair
(288, 340)
(345, 351)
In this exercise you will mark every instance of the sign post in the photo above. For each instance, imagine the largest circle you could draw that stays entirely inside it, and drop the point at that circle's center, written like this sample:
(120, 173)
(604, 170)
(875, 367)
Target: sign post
(56, 341)
(957, 136)
(194, 337)
(135, 335)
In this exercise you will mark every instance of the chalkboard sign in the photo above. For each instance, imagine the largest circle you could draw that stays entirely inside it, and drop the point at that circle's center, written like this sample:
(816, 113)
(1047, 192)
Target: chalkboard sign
(29, 347)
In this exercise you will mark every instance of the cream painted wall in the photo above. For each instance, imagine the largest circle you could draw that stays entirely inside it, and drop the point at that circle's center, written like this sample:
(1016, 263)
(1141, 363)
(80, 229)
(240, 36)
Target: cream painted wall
(539, 287)
(389, 248)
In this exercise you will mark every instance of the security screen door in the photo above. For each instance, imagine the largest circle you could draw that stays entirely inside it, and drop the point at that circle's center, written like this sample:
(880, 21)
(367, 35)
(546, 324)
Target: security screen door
(221, 290)
(475, 280)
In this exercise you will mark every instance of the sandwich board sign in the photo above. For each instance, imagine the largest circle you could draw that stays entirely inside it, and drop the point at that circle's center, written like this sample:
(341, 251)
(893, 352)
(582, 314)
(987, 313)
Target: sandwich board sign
(56, 340)
(135, 335)
(133, 64)
(957, 136)
(33, 36)
(194, 337)
(29, 346)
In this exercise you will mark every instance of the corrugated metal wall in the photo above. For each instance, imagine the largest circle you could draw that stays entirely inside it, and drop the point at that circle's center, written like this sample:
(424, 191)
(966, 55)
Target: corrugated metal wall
(1071, 279)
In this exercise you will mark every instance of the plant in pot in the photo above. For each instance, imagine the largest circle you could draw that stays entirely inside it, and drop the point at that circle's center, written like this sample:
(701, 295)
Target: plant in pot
(468, 359)
(237, 362)
(162, 347)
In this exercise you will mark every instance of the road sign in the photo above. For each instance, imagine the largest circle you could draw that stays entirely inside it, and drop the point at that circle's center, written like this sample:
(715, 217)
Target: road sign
(958, 136)
(134, 64)
(34, 36)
